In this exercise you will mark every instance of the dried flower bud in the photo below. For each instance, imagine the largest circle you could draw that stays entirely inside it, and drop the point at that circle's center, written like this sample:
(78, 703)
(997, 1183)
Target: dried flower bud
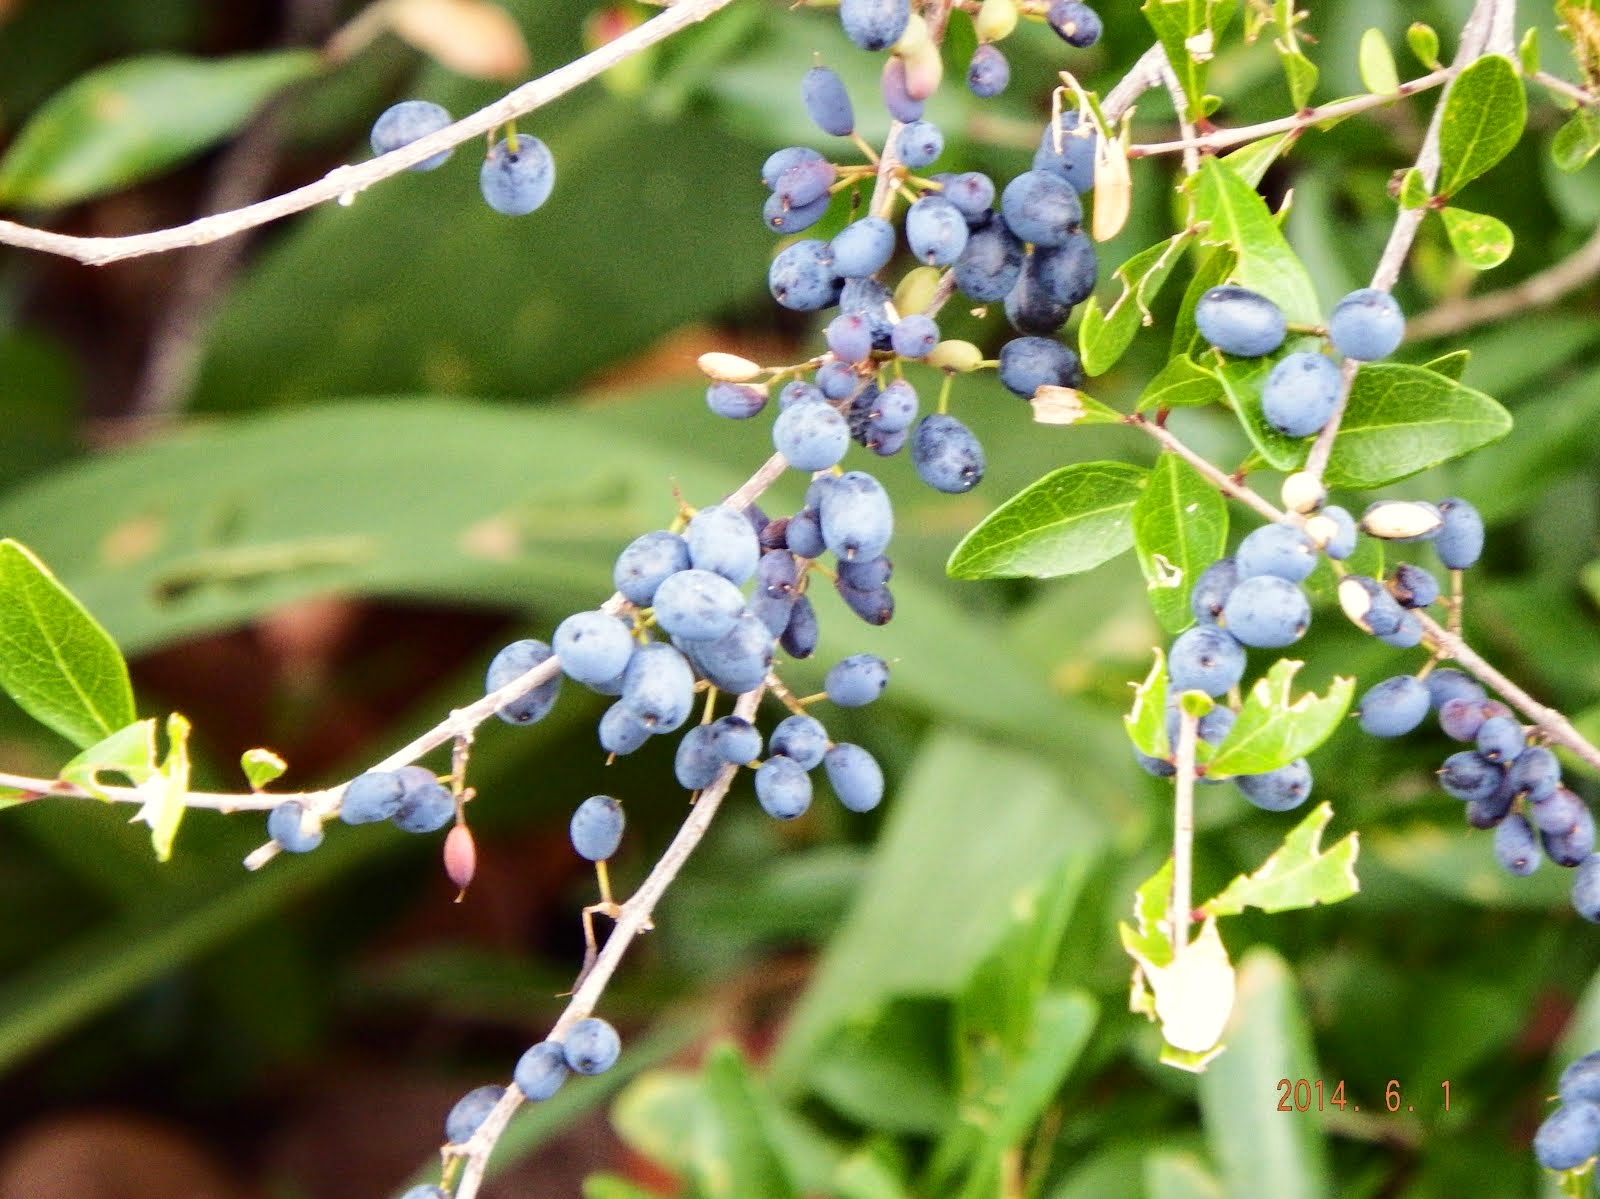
(1401, 520)
(728, 368)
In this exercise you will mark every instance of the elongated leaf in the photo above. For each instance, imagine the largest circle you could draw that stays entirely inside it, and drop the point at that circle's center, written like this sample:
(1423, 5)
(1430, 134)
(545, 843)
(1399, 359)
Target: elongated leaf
(1263, 1154)
(1482, 241)
(1189, 31)
(1180, 526)
(892, 1071)
(1274, 728)
(1240, 220)
(1424, 43)
(1576, 142)
(1071, 520)
(136, 118)
(1376, 63)
(1404, 419)
(1484, 112)
(1146, 721)
(1173, 1175)
(55, 660)
(1252, 160)
(129, 752)
(1452, 365)
(1299, 875)
(1105, 335)
(741, 1159)
(1180, 384)
(1300, 73)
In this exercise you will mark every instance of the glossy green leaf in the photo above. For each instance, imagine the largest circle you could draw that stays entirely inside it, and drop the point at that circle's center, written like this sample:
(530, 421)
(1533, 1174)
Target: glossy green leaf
(136, 118)
(1484, 112)
(261, 766)
(1482, 241)
(1300, 73)
(1180, 527)
(1105, 334)
(1274, 728)
(1252, 160)
(1071, 520)
(736, 1156)
(1528, 51)
(1263, 1153)
(1240, 220)
(1190, 32)
(1242, 380)
(1413, 190)
(1146, 721)
(1376, 63)
(1576, 142)
(1299, 874)
(1180, 384)
(1424, 43)
(1452, 365)
(1403, 419)
(129, 753)
(55, 660)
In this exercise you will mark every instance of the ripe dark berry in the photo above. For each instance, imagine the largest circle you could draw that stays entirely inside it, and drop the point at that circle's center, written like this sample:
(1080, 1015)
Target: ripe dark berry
(1041, 208)
(540, 1071)
(1459, 542)
(946, 454)
(1366, 325)
(591, 1046)
(405, 122)
(1076, 24)
(856, 681)
(1267, 612)
(286, 824)
(988, 73)
(827, 103)
(1240, 322)
(783, 787)
(874, 24)
(515, 182)
(1278, 790)
(1276, 549)
(469, 1113)
(596, 827)
(511, 663)
(855, 776)
(1299, 394)
(1393, 707)
(1515, 846)
(1205, 658)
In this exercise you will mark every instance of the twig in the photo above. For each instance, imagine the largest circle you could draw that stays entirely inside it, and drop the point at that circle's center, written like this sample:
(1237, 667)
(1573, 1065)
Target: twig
(348, 181)
(1141, 77)
(1546, 287)
(1225, 483)
(1573, 92)
(632, 919)
(1475, 36)
(1191, 153)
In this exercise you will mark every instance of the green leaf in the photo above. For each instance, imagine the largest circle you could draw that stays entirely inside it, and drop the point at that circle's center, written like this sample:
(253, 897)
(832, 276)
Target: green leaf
(1413, 190)
(1300, 73)
(1189, 31)
(1376, 63)
(658, 1114)
(1451, 861)
(891, 1070)
(1104, 336)
(1240, 220)
(1148, 938)
(1146, 721)
(1403, 419)
(55, 660)
(1452, 365)
(1180, 527)
(1576, 142)
(1169, 1174)
(130, 752)
(136, 118)
(1424, 43)
(1252, 160)
(613, 1186)
(1300, 874)
(163, 812)
(737, 1156)
(1484, 112)
(1071, 520)
(1483, 242)
(1180, 384)
(876, 1171)
(1214, 268)
(1528, 51)
(261, 766)
(1242, 380)
(1273, 728)
(1263, 1154)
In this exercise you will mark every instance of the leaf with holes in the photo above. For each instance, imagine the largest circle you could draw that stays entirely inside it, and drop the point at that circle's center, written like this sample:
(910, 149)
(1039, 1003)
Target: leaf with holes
(1180, 526)
(1274, 728)
(1300, 874)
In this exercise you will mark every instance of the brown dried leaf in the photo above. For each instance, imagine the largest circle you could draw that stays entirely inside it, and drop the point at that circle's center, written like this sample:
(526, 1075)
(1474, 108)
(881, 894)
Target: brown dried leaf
(471, 37)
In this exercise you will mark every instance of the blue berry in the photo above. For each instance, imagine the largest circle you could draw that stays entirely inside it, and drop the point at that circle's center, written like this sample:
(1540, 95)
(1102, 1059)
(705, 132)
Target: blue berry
(1414, 587)
(812, 436)
(1586, 889)
(919, 144)
(1041, 208)
(646, 563)
(1343, 542)
(799, 636)
(875, 605)
(805, 534)
(622, 730)
(1570, 848)
(1067, 272)
(1074, 161)
(736, 740)
(856, 681)
(870, 299)
(857, 519)
(1212, 588)
(862, 247)
(736, 401)
(1240, 322)
(1367, 325)
(1459, 541)
(659, 686)
(1278, 790)
(946, 454)
(591, 1046)
(1267, 612)
(783, 787)
(913, 337)
(1500, 739)
(515, 182)
(1029, 363)
(1534, 775)
(991, 263)
(697, 604)
(405, 122)
(737, 661)
(972, 192)
(1393, 707)
(837, 380)
(594, 647)
(721, 540)
(780, 161)
(285, 825)
(801, 277)
(1569, 1136)
(805, 183)
(1515, 846)
(1205, 658)
(988, 72)
(784, 216)
(371, 797)
(1488, 812)
(1076, 24)
(1369, 605)
(1460, 717)
(867, 573)
(469, 1113)
(540, 1071)
(1467, 775)
(1029, 306)
(774, 594)
(874, 24)
(1580, 1081)
(511, 663)
(596, 828)
(1300, 392)
(827, 103)
(855, 776)
(1449, 683)
(1558, 813)
(935, 230)
(426, 805)
(799, 390)
(1276, 549)
(802, 738)
(901, 104)
(1408, 635)
(697, 762)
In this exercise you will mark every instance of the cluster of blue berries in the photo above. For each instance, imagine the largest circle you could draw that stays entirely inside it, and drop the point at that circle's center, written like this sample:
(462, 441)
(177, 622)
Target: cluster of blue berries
(1569, 1137)
(1302, 389)
(517, 175)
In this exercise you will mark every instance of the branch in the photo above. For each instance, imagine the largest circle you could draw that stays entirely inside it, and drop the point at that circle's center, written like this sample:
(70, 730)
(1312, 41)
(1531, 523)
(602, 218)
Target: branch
(343, 183)
(1536, 291)
(1572, 91)
(1141, 77)
(1180, 904)
(633, 919)
(1226, 483)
